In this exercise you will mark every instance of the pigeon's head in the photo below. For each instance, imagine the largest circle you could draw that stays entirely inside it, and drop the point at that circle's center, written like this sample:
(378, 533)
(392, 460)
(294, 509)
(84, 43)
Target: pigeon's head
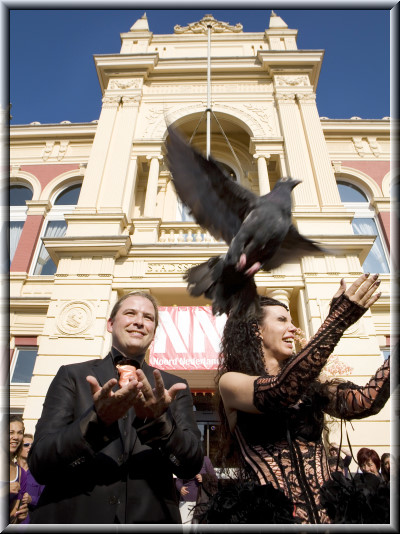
(287, 182)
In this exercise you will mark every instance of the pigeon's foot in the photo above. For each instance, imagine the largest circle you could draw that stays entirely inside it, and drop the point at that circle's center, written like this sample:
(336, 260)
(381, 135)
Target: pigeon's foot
(241, 264)
(253, 269)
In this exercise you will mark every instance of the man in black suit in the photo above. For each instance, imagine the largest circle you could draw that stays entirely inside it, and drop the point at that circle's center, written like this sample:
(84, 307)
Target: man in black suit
(107, 454)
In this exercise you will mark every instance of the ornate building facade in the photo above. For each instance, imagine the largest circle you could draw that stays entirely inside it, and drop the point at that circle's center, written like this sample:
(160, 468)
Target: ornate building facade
(94, 214)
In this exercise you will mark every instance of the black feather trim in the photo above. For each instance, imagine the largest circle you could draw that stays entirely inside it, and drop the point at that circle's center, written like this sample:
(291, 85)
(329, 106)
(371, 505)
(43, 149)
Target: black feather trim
(364, 499)
(248, 503)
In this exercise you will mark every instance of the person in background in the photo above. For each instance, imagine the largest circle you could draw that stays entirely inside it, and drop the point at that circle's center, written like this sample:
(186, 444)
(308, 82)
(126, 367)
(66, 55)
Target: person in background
(19, 497)
(342, 463)
(189, 489)
(114, 431)
(32, 487)
(369, 461)
(385, 467)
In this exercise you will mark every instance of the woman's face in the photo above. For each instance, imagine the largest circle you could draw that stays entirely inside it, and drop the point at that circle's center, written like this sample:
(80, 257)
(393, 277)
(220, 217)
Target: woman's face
(26, 447)
(16, 436)
(386, 464)
(369, 467)
(277, 331)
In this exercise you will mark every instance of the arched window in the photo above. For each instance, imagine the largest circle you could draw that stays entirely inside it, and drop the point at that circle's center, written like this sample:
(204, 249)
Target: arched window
(365, 223)
(19, 194)
(68, 197)
(184, 214)
(55, 226)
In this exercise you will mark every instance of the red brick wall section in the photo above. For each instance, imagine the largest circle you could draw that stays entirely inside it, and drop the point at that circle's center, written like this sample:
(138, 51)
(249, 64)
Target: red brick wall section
(377, 170)
(46, 173)
(384, 221)
(27, 244)
(25, 341)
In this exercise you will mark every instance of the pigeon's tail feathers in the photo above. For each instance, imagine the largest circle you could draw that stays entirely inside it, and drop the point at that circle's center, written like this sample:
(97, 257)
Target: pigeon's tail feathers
(242, 302)
(201, 278)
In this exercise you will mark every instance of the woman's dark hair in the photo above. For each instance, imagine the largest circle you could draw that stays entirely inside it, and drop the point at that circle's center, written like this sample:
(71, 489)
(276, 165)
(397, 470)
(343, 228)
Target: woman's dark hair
(365, 454)
(241, 351)
(16, 418)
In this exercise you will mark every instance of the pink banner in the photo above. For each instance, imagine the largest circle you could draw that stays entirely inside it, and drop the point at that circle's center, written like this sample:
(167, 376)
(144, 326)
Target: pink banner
(187, 338)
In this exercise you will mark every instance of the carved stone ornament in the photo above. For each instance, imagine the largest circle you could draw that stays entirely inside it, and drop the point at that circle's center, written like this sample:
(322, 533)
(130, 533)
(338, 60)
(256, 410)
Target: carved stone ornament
(74, 318)
(208, 20)
(111, 101)
(130, 100)
(286, 97)
(48, 150)
(306, 97)
(292, 80)
(125, 84)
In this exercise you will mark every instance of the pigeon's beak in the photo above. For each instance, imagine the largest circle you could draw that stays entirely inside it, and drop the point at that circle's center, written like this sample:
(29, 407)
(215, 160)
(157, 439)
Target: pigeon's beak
(296, 182)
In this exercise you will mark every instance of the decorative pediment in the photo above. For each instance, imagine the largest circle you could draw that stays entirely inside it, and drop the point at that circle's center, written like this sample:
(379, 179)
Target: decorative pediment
(208, 20)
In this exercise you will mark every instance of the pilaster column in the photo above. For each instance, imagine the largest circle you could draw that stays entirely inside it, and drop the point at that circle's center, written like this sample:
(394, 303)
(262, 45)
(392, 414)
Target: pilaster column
(130, 187)
(299, 164)
(152, 184)
(283, 295)
(115, 185)
(98, 155)
(263, 178)
(321, 163)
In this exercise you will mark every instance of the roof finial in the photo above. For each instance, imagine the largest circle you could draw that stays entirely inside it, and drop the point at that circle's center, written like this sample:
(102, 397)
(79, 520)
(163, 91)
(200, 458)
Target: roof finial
(275, 21)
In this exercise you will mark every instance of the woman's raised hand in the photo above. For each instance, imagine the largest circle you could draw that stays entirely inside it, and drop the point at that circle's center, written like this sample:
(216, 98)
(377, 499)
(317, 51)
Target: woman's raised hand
(362, 290)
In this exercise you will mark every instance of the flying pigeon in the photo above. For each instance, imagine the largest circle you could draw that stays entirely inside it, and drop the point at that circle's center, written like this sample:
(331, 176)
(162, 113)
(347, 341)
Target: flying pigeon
(257, 229)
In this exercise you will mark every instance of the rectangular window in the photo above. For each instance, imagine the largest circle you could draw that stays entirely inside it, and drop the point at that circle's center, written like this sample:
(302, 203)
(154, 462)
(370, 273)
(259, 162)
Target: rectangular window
(44, 264)
(23, 364)
(385, 353)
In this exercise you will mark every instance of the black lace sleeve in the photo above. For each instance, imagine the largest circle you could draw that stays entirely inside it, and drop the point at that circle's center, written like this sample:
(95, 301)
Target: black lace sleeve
(286, 388)
(349, 401)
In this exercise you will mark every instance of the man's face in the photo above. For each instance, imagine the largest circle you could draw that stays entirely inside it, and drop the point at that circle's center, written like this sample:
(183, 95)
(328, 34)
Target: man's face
(133, 326)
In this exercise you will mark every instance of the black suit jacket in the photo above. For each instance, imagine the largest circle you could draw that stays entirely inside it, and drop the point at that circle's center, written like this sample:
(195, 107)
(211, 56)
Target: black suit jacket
(91, 471)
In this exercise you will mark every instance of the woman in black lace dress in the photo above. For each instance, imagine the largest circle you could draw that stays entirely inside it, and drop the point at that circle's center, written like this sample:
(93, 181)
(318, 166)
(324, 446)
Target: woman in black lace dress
(274, 405)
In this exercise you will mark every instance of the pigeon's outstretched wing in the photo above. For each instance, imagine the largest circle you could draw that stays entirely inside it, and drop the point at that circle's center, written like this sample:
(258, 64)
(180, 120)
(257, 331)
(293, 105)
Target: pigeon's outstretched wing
(293, 247)
(216, 202)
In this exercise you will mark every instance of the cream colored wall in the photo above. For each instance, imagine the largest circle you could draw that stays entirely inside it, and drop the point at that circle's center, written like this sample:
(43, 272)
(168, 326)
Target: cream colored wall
(123, 234)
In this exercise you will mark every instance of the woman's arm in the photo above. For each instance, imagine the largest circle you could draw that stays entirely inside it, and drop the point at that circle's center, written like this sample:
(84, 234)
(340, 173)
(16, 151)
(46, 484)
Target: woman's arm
(350, 401)
(347, 307)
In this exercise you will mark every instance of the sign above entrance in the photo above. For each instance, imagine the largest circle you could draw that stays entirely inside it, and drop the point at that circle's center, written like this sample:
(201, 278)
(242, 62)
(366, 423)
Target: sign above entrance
(187, 338)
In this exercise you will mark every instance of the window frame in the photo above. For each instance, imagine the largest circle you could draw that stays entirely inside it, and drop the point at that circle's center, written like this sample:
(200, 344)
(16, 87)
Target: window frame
(17, 214)
(56, 213)
(364, 210)
(17, 350)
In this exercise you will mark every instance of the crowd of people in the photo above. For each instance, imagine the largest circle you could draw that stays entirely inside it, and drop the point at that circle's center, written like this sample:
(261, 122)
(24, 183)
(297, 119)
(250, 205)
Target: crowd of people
(24, 490)
(128, 450)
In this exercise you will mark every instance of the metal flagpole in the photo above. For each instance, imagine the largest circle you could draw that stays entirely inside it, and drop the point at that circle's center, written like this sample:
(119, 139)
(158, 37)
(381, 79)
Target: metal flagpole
(209, 92)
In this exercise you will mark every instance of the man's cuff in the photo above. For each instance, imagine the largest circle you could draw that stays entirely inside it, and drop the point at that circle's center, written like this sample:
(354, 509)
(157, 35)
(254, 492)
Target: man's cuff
(155, 430)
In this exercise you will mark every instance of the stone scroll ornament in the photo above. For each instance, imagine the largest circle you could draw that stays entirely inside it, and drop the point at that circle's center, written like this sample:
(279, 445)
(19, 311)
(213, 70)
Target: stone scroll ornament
(208, 20)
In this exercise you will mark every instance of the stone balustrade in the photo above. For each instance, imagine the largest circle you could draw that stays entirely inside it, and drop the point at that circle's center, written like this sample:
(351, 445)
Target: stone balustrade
(185, 233)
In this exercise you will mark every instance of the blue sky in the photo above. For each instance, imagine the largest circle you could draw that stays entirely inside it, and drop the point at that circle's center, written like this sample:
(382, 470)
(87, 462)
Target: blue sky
(53, 77)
